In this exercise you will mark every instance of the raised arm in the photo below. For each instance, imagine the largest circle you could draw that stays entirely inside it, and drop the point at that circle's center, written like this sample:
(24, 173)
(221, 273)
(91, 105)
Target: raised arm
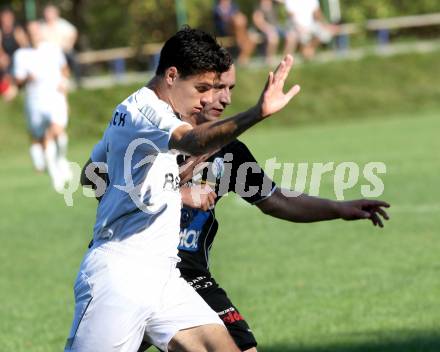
(20, 71)
(212, 135)
(305, 208)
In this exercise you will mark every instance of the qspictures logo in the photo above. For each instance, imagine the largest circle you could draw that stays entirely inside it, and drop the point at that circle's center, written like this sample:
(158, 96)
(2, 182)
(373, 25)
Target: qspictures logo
(296, 178)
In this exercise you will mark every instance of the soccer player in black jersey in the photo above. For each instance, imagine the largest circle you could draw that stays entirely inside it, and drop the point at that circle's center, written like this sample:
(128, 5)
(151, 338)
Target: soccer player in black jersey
(201, 190)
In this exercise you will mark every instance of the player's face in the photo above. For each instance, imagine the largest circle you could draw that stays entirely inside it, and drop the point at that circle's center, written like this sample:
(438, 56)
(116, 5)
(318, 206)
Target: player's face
(7, 19)
(50, 13)
(221, 96)
(35, 32)
(189, 95)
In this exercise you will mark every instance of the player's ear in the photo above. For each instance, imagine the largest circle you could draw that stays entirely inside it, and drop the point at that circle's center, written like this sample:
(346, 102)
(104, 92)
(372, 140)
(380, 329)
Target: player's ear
(171, 74)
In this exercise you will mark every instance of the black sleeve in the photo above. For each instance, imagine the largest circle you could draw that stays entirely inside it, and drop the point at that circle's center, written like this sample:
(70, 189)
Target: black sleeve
(248, 179)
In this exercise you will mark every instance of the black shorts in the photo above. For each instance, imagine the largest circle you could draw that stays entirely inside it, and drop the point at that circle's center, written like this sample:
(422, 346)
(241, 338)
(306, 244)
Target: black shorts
(218, 300)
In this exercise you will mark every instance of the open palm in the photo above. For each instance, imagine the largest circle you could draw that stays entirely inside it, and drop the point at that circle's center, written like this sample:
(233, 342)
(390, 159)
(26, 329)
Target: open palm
(273, 98)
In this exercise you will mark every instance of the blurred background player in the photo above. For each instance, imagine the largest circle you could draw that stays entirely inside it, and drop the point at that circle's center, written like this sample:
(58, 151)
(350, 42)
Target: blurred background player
(266, 21)
(62, 33)
(230, 21)
(43, 71)
(309, 24)
(12, 37)
(199, 225)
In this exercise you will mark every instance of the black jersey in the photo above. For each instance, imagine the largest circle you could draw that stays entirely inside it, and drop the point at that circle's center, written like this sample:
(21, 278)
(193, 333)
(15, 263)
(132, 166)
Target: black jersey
(232, 169)
(9, 43)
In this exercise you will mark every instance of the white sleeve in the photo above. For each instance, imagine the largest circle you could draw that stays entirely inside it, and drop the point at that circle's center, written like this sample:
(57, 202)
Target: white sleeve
(20, 70)
(67, 27)
(99, 153)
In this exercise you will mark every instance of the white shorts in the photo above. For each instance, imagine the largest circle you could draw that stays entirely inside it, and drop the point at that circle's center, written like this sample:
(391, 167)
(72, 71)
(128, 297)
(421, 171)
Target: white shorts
(59, 111)
(124, 299)
(37, 122)
(315, 30)
(40, 116)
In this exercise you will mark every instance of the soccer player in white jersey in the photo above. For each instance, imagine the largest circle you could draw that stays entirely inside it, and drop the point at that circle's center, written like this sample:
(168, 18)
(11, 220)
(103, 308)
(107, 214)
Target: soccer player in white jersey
(42, 70)
(128, 287)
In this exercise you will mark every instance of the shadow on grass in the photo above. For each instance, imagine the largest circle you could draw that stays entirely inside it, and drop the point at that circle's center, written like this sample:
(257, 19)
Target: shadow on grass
(402, 341)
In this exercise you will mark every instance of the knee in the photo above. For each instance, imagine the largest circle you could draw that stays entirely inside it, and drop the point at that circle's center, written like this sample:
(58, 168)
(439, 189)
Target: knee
(253, 349)
(205, 338)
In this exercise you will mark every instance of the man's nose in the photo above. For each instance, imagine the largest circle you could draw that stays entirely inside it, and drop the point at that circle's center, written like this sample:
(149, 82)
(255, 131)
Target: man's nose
(225, 97)
(207, 98)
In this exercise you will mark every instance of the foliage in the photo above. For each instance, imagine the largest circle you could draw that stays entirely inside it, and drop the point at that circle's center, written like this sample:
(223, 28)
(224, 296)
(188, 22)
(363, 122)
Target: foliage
(360, 10)
(135, 22)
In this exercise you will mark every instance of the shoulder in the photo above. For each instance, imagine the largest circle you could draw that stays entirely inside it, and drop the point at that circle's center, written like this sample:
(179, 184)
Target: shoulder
(236, 147)
(236, 152)
(23, 53)
(150, 106)
(153, 111)
(66, 25)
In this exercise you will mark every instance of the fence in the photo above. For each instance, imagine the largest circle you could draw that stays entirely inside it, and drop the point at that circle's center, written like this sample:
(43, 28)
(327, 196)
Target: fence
(382, 27)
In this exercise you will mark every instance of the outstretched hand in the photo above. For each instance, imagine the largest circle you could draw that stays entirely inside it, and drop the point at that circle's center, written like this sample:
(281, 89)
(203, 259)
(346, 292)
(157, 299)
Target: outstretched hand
(273, 98)
(364, 209)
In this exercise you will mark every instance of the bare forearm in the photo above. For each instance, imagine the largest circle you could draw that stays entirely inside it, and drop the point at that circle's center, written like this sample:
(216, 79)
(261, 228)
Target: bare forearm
(213, 135)
(303, 208)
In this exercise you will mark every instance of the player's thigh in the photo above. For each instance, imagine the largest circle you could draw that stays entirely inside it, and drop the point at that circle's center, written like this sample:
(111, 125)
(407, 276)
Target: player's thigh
(181, 309)
(252, 349)
(36, 120)
(322, 33)
(59, 113)
(231, 317)
(203, 338)
(109, 329)
(107, 318)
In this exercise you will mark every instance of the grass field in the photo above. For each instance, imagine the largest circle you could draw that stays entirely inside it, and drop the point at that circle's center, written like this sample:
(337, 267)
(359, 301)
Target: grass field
(339, 286)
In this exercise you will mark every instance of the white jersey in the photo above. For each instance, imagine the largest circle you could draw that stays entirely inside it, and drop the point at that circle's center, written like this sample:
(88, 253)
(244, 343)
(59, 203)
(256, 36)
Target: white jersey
(44, 64)
(142, 203)
(61, 33)
(303, 11)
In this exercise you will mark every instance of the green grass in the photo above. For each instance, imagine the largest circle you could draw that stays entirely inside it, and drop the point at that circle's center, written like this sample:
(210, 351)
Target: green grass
(342, 286)
(334, 286)
(339, 286)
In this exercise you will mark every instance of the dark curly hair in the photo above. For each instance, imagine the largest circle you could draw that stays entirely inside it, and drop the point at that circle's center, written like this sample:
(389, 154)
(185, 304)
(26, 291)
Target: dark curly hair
(193, 52)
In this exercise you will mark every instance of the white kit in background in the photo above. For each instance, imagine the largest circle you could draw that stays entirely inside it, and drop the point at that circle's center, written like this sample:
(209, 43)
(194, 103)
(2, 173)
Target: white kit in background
(304, 22)
(45, 103)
